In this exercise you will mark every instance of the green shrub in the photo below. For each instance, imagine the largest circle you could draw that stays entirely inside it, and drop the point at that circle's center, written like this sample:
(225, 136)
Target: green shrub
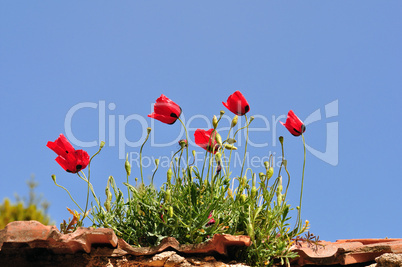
(24, 210)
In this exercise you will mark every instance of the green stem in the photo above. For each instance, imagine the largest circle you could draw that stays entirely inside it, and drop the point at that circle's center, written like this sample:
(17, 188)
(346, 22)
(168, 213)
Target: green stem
(245, 149)
(185, 129)
(203, 165)
(128, 195)
(142, 146)
(89, 184)
(230, 155)
(301, 192)
(86, 204)
(153, 175)
(69, 195)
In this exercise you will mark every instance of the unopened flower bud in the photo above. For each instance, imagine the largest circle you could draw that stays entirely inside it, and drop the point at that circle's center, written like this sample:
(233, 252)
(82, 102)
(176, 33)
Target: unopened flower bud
(234, 121)
(149, 129)
(243, 197)
(214, 122)
(194, 153)
(127, 166)
(102, 144)
(279, 190)
(218, 157)
(54, 178)
(108, 198)
(231, 141)
(169, 175)
(262, 176)
(279, 197)
(230, 147)
(156, 163)
(281, 139)
(222, 112)
(170, 211)
(270, 172)
(266, 164)
(168, 195)
(183, 143)
(253, 192)
(244, 180)
(251, 119)
(218, 138)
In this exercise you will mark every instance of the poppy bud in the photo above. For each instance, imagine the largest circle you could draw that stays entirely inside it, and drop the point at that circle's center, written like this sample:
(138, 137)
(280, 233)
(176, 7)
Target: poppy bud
(127, 166)
(234, 121)
(243, 197)
(193, 153)
(230, 147)
(170, 211)
(54, 178)
(214, 122)
(244, 180)
(281, 139)
(279, 190)
(262, 176)
(183, 143)
(218, 157)
(102, 144)
(222, 112)
(107, 206)
(149, 129)
(270, 172)
(266, 164)
(253, 192)
(169, 175)
(108, 198)
(231, 141)
(168, 195)
(251, 119)
(156, 163)
(218, 138)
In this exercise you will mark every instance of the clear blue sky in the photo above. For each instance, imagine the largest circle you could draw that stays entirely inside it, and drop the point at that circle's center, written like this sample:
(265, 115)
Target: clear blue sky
(280, 55)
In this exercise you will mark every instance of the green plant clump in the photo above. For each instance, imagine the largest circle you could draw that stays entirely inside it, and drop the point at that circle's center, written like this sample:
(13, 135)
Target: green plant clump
(197, 202)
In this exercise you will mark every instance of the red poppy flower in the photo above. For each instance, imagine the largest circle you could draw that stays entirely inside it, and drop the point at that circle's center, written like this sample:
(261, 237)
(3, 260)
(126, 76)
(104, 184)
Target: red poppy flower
(165, 110)
(70, 159)
(211, 221)
(237, 104)
(206, 140)
(294, 124)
